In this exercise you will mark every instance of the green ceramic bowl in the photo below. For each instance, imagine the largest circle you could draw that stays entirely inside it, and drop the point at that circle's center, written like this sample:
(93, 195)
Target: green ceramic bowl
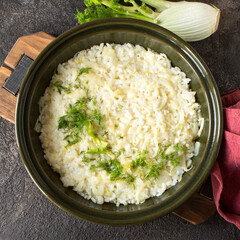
(117, 30)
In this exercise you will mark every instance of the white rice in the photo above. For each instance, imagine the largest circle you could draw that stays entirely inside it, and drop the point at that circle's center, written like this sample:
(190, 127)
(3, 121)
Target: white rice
(145, 103)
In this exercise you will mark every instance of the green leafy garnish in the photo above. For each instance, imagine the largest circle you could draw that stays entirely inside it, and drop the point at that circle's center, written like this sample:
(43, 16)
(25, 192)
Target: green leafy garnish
(174, 158)
(140, 161)
(184, 148)
(100, 150)
(92, 167)
(118, 153)
(59, 87)
(84, 70)
(113, 167)
(94, 12)
(177, 148)
(175, 161)
(119, 137)
(152, 167)
(81, 71)
(154, 170)
(84, 159)
(72, 138)
(100, 142)
(105, 133)
(97, 116)
(97, 9)
(181, 17)
(127, 177)
(76, 118)
(94, 102)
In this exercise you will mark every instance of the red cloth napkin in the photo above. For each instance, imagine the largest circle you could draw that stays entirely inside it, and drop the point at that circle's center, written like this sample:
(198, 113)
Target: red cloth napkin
(226, 171)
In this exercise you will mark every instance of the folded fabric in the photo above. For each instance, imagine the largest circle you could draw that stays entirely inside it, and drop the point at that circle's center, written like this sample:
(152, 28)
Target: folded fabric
(225, 174)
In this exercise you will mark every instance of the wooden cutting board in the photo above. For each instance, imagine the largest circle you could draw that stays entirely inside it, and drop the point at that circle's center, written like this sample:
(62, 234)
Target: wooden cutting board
(196, 210)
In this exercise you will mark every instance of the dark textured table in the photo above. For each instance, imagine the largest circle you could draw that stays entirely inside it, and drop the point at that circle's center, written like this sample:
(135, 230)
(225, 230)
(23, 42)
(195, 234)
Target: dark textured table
(25, 212)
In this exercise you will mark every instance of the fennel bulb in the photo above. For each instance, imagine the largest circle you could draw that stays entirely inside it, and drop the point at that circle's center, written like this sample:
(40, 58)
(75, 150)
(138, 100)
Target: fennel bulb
(192, 21)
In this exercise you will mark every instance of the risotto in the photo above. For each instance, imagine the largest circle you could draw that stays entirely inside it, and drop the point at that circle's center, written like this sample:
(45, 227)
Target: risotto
(118, 123)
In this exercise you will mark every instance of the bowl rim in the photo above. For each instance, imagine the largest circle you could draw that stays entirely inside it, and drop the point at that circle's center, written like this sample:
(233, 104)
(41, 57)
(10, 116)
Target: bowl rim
(215, 96)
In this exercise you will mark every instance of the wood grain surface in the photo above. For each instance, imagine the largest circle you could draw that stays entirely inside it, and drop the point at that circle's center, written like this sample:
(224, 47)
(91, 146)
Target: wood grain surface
(7, 100)
(30, 45)
(196, 210)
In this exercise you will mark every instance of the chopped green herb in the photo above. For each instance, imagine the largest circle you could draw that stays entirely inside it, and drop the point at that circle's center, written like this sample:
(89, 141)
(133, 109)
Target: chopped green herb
(97, 116)
(76, 86)
(59, 86)
(100, 150)
(170, 156)
(118, 153)
(105, 133)
(160, 153)
(176, 161)
(76, 118)
(85, 159)
(93, 102)
(84, 70)
(129, 178)
(72, 138)
(113, 167)
(102, 144)
(177, 148)
(138, 162)
(184, 148)
(152, 167)
(81, 71)
(68, 89)
(144, 152)
(119, 137)
(154, 170)
(175, 157)
(160, 165)
(92, 167)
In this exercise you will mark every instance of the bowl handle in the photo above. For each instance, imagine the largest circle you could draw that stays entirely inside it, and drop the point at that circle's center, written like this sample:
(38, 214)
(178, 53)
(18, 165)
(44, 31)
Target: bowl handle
(17, 62)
